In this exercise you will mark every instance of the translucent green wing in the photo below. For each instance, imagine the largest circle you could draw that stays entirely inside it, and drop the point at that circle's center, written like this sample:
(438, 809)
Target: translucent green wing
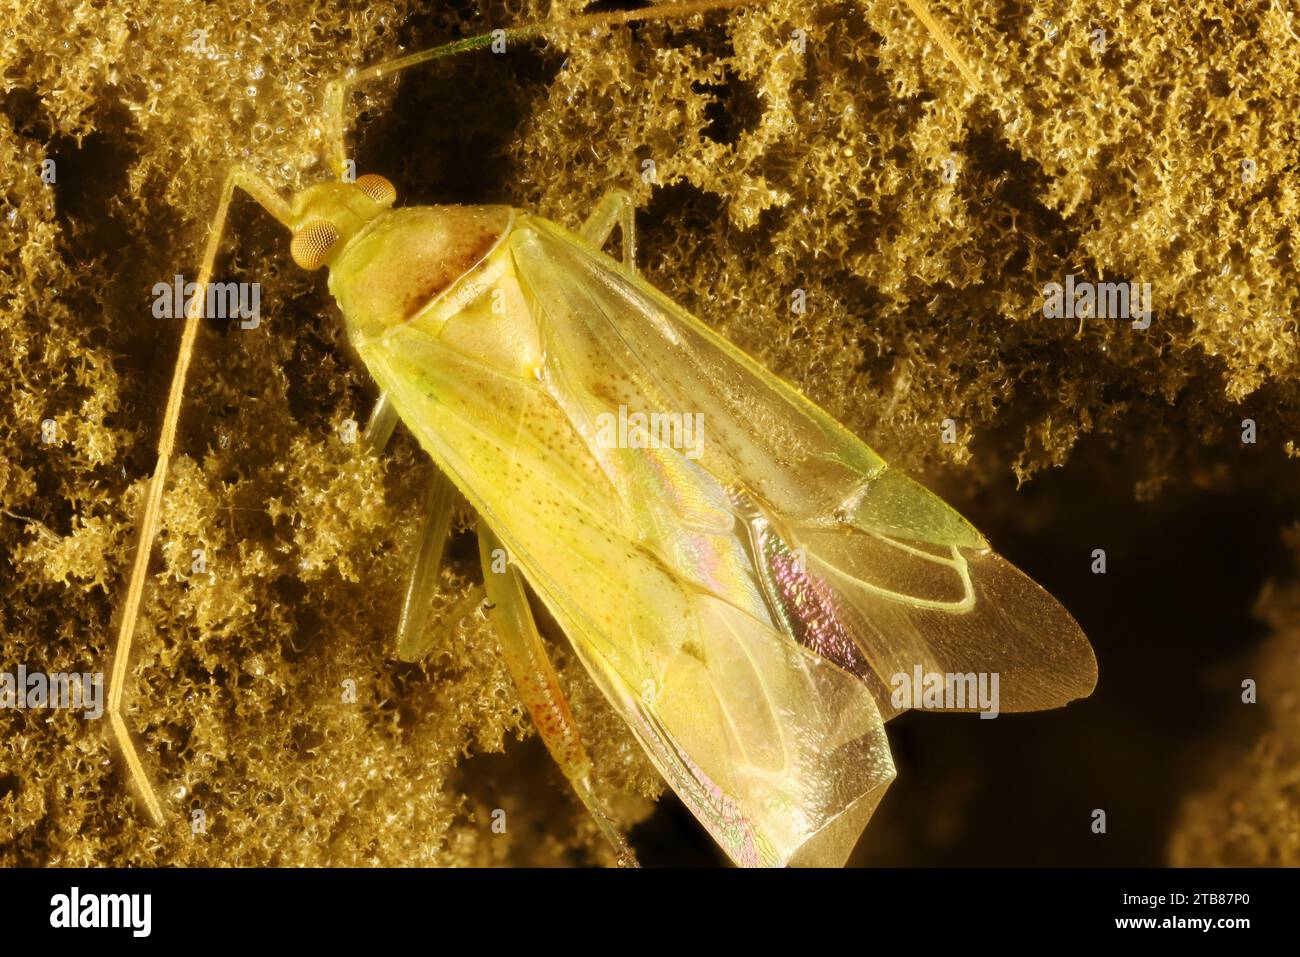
(907, 579)
(780, 753)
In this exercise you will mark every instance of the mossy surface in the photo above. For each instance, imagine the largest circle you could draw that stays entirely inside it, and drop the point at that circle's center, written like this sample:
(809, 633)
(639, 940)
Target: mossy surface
(1244, 811)
(919, 216)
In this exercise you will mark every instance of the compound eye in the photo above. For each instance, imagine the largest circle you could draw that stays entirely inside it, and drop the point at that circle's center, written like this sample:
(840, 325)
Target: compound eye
(312, 244)
(377, 188)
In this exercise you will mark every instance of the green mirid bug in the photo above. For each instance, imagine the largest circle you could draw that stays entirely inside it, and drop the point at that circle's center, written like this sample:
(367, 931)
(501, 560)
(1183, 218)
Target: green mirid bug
(742, 577)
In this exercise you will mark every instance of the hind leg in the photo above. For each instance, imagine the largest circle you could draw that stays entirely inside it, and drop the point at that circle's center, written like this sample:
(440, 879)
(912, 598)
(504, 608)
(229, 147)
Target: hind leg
(534, 675)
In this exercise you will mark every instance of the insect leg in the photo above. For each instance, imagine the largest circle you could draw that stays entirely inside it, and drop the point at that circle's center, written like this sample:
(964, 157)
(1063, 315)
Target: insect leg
(615, 208)
(266, 197)
(534, 676)
(422, 581)
(380, 425)
(945, 42)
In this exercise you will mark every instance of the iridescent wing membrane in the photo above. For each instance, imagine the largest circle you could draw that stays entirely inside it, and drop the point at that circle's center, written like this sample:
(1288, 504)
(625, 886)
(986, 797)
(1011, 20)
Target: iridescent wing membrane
(743, 595)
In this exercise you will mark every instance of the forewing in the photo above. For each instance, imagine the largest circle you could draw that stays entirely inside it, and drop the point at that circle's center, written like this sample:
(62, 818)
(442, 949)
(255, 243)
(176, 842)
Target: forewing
(902, 574)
